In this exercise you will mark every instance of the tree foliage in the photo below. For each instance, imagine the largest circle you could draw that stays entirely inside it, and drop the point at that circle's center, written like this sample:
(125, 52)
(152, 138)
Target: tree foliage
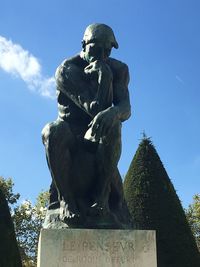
(193, 216)
(9, 251)
(154, 204)
(27, 220)
(6, 186)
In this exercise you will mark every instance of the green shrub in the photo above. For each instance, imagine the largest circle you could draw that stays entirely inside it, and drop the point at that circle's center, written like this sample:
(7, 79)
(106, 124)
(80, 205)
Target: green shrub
(154, 205)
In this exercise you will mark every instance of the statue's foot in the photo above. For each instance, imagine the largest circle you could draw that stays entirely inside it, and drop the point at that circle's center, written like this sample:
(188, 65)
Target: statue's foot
(73, 221)
(100, 217)
(69, 215)
(97, 210)
(54, 205)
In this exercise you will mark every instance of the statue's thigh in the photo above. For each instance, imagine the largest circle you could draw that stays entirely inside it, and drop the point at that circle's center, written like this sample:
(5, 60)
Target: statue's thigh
(58, 132)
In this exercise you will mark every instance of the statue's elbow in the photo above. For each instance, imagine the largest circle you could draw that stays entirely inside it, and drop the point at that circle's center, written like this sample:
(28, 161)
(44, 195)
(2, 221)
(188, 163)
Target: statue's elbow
(128, 112)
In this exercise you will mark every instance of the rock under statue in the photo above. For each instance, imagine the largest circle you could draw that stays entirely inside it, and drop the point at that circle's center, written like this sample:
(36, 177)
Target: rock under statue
(83, 145)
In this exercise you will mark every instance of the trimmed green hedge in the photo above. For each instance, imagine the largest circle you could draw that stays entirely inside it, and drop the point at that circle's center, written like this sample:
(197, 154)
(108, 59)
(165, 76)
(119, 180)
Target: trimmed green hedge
(9, 252)
(154, 205)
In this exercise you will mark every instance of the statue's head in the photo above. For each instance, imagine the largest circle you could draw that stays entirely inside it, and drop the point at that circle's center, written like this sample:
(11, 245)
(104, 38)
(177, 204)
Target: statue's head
(98, 41)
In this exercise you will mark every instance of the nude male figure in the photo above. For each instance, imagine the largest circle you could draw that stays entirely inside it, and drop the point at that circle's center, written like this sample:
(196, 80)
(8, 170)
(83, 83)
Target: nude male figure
(83, 145)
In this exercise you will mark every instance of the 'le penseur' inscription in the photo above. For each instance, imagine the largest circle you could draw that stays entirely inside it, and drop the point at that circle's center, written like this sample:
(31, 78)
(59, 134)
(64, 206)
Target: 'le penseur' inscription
(77, 252)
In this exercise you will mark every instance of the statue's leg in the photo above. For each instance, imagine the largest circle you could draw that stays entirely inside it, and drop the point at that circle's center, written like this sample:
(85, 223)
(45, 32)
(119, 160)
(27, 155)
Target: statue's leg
(108, 154)
(53, 196)
(58, 141)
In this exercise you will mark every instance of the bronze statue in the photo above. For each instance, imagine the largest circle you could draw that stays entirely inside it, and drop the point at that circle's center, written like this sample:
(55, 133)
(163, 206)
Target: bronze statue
(83, 145)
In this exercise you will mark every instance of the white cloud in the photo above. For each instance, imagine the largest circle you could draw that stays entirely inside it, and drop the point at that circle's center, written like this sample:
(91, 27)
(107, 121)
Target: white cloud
(22, 64)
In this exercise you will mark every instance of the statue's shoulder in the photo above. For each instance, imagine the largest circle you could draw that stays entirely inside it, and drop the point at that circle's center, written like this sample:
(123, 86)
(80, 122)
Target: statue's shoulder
(69, 64)
(120, 70)
(75, 60)
(117, 65)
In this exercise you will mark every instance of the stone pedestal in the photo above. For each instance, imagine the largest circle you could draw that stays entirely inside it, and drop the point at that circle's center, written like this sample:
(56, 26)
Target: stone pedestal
(96, 248)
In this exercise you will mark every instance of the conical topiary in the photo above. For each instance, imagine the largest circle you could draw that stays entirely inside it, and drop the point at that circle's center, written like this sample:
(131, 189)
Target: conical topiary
(9, 252)
(154, 205)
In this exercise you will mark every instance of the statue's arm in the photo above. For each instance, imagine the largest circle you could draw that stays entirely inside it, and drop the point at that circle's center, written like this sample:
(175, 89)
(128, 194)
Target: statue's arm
(121, 108)
(70, 84)
(121, 100)
(63, 83)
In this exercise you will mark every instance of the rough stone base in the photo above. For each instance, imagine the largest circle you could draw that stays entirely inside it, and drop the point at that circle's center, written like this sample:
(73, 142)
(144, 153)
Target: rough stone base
(96, 248)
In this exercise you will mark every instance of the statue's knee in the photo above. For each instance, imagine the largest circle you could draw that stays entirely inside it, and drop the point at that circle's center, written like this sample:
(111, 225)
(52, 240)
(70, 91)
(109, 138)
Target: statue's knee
(57, 131)
(49, 130)
(46, 132)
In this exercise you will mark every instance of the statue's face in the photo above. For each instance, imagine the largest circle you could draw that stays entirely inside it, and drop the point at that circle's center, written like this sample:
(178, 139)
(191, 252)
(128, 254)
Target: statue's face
(97, 50)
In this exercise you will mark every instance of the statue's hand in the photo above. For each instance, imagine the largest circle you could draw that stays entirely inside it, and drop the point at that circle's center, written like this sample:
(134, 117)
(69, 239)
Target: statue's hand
(92, 67)
(96, 67)
(103, 122)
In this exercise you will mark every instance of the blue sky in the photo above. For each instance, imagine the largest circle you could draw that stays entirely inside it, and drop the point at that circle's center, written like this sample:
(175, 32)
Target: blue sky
(159, 40)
